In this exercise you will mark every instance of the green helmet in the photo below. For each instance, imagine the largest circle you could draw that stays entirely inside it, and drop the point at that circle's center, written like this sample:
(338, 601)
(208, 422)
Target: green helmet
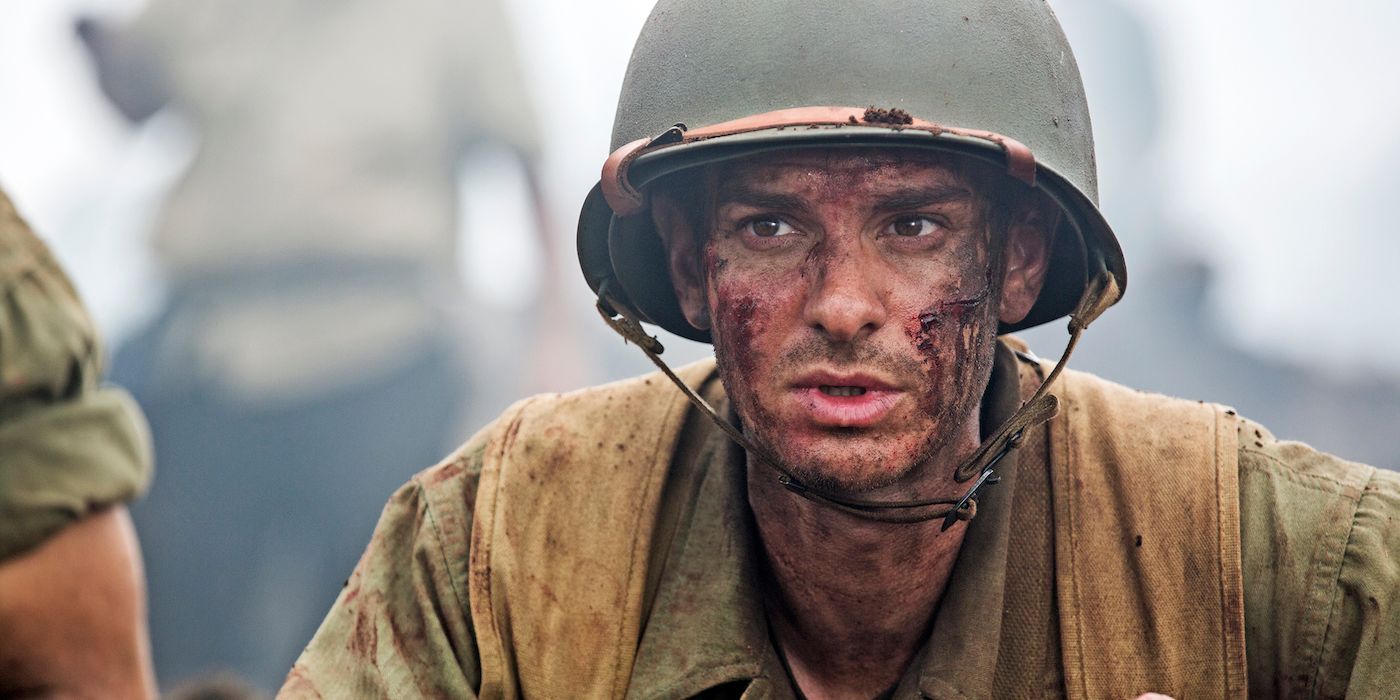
(711, 80)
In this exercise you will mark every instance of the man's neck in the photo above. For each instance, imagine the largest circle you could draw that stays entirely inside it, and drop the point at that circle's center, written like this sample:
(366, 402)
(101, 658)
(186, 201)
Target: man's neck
(850, 600)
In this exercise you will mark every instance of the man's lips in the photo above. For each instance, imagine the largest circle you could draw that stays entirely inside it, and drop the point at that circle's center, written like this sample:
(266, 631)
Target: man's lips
(841, 400)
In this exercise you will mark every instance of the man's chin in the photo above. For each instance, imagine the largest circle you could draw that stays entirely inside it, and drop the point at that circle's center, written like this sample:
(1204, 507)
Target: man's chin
(851, 474)
(848, 462)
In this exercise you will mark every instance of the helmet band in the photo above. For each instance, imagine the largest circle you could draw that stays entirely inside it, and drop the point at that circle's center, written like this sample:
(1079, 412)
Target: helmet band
(627, 200)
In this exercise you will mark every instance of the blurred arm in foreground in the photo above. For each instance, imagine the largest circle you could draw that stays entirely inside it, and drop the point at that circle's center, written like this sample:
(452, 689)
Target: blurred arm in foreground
(72, 598)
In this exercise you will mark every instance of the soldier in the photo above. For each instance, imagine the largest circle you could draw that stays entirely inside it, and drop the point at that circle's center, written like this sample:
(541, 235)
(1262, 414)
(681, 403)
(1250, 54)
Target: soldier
(873, 491)
(310, 338)
(72, 453)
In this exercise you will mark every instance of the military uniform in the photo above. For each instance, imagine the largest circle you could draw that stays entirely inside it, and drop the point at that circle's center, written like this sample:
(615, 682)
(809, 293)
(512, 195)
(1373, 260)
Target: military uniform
(1319, 551)
(68, 446)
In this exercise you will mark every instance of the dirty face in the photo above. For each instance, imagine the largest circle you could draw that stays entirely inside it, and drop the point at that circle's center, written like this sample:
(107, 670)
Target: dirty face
(853, 298)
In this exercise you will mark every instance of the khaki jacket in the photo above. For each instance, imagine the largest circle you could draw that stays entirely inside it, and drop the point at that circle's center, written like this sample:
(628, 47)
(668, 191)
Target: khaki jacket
(1193, 555)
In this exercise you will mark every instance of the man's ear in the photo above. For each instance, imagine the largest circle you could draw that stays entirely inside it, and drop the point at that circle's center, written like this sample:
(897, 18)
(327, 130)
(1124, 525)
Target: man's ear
(683, 257)
(1027, 259)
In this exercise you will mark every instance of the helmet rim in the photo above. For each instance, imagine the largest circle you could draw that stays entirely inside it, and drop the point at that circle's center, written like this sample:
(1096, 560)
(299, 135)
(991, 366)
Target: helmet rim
(624, 262)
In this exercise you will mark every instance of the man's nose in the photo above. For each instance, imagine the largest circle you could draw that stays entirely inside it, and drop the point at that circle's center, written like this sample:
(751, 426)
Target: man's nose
(844, 300)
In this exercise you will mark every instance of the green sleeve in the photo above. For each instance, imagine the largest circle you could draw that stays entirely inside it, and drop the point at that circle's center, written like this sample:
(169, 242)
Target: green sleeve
(1321, 557)
(68, 446)
(1363, 655)
(401, 627)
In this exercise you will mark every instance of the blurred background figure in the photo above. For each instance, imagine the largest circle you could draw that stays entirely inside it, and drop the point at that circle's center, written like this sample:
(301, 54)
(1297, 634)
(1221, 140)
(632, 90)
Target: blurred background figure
(309, 357)
(72, 453)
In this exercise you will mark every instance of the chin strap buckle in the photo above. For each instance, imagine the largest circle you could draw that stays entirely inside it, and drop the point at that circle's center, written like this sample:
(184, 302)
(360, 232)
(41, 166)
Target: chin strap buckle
(966, 506)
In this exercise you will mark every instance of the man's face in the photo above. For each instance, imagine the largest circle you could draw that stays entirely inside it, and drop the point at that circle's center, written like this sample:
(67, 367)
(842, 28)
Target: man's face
(853, 297)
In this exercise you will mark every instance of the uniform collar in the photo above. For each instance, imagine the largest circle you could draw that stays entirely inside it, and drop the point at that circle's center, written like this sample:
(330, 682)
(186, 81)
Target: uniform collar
(707, 628)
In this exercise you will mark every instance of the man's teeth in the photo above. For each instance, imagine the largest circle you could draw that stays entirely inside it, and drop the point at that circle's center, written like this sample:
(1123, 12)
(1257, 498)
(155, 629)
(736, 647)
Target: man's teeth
(842, 390)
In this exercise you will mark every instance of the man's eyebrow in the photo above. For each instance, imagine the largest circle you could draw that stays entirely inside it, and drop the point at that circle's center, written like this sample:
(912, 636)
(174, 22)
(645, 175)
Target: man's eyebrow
(895, 200)
(758, 198)
(917, 197)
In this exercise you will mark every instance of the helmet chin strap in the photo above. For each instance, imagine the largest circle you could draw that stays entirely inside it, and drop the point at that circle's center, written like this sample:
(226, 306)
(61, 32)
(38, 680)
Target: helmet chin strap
(979, 468)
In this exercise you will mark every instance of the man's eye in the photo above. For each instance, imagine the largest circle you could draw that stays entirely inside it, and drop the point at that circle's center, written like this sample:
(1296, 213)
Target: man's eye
(769, 228)
(913, 226)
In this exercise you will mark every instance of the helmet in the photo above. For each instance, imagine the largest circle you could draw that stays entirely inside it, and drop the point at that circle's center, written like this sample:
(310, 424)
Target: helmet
(711, 80)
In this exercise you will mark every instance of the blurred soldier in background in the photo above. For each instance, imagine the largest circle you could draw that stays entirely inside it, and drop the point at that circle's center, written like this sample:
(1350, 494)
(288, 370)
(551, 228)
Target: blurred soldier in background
(72, 453)
(309, 349)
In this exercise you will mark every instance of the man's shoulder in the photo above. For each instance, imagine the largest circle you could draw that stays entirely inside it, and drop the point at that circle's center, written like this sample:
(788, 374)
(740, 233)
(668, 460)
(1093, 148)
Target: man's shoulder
(1108, 405)
(1320, 548)
(71, 446)
(548, 432)
(1313, 470)
(1288, 488)
(626, 400)
(1312, 475)
(1135, 432)
(1098, 392)
(618, 416)
(1319, 536)
(1293, 498)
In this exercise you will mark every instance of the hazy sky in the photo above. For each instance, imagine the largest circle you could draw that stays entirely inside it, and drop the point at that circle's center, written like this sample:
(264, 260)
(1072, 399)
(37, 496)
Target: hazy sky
(1276, 142)
(1281, 144)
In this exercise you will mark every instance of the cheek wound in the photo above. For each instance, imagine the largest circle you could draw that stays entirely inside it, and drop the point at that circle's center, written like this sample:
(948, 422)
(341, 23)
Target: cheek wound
(737, 327)
(956, 311)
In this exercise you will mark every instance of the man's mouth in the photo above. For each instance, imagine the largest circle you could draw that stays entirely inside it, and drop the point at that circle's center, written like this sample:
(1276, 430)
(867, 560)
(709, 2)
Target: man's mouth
(830, 390)
(845, 400)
